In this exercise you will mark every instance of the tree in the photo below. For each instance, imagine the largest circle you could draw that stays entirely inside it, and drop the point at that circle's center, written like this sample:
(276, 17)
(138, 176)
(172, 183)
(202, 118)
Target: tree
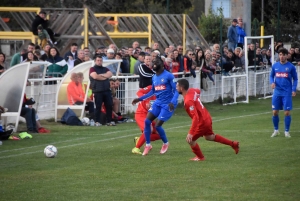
(210, 26)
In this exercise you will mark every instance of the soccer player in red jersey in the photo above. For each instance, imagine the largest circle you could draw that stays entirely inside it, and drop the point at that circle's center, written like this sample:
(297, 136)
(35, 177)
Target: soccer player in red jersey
(140, 116)
(201, 121)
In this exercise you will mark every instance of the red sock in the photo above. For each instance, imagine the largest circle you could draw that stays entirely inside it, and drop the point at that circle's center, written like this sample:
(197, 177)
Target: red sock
(196, 149)
(223, 140)
(141, 141)
(154, 136)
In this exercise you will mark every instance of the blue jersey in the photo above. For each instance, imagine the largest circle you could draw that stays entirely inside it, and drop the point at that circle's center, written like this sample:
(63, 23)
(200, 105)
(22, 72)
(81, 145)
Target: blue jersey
(164, 88)
(285, 78)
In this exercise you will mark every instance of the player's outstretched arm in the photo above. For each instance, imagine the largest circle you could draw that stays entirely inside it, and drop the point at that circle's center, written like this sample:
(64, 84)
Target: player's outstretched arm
(135, 101)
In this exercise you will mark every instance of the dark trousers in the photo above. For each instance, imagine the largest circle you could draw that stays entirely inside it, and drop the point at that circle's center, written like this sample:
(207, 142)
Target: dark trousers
(29, 115)
(103, 97)
(88, 106)
(241, 45)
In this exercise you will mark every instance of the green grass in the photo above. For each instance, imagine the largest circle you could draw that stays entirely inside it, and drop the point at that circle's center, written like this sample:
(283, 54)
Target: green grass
(97, 164)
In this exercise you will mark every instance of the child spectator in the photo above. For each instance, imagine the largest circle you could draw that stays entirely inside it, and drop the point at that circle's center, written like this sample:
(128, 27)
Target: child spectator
(43, 36)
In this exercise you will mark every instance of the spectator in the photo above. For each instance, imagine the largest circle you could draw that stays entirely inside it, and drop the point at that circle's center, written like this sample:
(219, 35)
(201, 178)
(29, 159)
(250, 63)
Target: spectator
(114, 66)
(58, 67)
(251, 54)
(297, 55)
(113, 46)
(37, 53)
(187, 62)
(2, 61)
(171, 48)
(45, 55)
(30, 48)
(180, 55)
(87, 54)
(80, 57)
(200, 59)
(71, 56)
(140, 60)
(148, 50)
(168, 64)
(237, 58)
(135, 45)
(240, 34)
(208, 71)
(76, 94)
(100, 85)
(232, 35)
(16, 59)
(116, 102)
(292, 52)
(29, 114)
(43, 36)
(30, 57)
(268, 57)
(145, 72)
(228, 63)
(155, 46)
(175, 63)
(216, 47)
(197, 48)
(125, 61)
(41, 19)
(166, 52)
(133, 59)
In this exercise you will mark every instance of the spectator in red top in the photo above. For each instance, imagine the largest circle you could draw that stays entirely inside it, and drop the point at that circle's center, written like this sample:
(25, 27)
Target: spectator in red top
(76, 95)
(201, 121)
(175, 63)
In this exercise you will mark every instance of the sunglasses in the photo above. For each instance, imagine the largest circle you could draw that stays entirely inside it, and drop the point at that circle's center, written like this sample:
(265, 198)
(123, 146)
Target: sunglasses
(180, 48)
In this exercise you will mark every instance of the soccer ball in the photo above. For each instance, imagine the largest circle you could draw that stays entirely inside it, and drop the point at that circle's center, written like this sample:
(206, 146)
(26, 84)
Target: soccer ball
(85, 121)
(50, 151)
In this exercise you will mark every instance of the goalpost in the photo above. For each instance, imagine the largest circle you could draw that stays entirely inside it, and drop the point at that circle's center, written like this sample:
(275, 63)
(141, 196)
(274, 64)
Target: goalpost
(237, 85)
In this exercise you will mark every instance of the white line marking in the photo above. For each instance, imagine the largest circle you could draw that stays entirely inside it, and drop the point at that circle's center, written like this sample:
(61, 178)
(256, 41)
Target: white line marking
(115, 137)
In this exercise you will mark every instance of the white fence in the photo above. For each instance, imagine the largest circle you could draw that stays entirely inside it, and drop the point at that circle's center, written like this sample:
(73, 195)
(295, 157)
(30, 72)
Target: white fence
(258, 86)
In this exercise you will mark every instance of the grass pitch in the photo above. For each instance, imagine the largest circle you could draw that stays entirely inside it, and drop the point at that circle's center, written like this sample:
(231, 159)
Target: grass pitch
(96, 163)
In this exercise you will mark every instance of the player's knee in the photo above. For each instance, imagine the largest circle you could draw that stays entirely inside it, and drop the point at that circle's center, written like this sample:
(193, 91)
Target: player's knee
(147, 122)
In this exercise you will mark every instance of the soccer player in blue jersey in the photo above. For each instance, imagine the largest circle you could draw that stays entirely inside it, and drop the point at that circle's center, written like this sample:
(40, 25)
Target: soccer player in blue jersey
(164, 88)
(283, 80)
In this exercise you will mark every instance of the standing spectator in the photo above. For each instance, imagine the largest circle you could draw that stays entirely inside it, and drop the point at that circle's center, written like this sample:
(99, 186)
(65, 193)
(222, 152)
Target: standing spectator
(228, 63)
(114, 66)
(71, 56)
(2, 61)
(148, 50)
(58, 67)
(200, 59)
(80, 57)
(87, 54)
(240, 34)
(187, 64)
(140, 60)
(284, 80)
(113, 46)
(133, 59)
(99, 77)
(171, 48)
(180, 55)
(16, 59)
(145, 72)
(216, 47)
(41, 19)
(232, 35)
(251, 54)
(166, 52)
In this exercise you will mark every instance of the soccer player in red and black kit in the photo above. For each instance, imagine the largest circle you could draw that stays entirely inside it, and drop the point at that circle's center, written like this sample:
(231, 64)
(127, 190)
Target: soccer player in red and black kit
(140, 116)
(201, 121)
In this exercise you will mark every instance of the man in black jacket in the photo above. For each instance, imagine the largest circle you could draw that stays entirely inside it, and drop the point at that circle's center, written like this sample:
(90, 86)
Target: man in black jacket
(40, 19)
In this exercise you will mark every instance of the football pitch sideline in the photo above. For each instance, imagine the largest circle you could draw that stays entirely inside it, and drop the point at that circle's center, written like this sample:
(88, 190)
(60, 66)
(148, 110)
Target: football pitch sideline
(96, 163)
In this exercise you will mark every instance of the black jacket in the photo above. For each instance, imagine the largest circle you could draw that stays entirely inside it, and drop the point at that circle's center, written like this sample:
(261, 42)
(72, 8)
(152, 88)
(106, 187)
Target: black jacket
(36, 22)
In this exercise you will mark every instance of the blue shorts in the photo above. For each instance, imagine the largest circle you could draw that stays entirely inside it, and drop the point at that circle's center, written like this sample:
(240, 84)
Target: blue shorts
(161, 111)
(282, 102)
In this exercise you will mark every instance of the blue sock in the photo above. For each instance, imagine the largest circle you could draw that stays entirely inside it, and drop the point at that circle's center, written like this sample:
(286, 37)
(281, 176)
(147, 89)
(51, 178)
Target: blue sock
(162, 134)
(287, 122)
(275, 122)
(147, 130)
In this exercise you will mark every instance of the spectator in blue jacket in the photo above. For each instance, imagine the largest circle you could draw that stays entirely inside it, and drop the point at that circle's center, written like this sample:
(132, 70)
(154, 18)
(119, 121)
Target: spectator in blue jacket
(232, 35)
(240, 34)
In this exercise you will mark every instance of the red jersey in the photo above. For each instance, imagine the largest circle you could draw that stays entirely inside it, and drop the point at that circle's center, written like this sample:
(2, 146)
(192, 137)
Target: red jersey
(144, 105)
(195, 110)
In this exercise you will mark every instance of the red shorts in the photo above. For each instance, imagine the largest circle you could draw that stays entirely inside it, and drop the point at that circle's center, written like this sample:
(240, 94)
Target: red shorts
(204, 129)
(140, 120)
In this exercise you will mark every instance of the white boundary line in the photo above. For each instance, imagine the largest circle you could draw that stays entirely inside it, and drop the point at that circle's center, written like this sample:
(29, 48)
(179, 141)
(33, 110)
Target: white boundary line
(124, 136)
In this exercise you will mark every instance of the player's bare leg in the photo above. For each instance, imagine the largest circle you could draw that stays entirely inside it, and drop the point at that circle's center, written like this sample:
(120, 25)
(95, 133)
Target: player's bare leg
(223, 140)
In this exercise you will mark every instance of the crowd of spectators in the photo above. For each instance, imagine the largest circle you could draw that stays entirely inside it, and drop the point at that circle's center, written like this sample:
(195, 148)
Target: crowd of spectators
(135, 60)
